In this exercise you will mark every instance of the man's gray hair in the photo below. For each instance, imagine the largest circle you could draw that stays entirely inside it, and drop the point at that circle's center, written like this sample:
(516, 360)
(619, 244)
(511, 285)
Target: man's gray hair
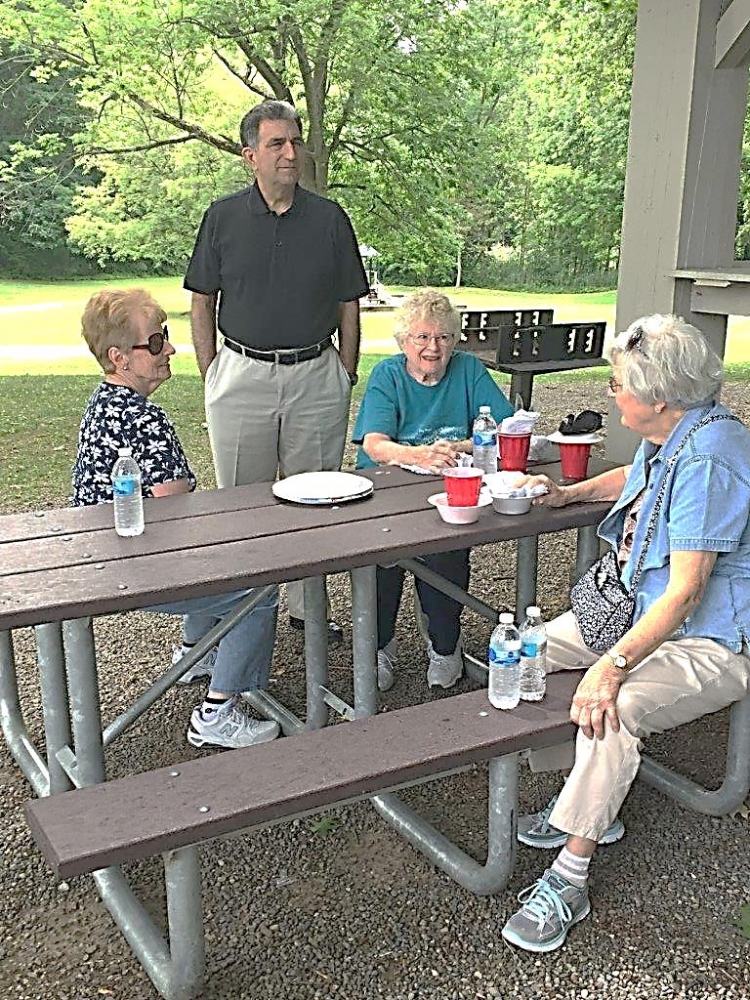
(431, 306)
(665, 359)
(268, 111)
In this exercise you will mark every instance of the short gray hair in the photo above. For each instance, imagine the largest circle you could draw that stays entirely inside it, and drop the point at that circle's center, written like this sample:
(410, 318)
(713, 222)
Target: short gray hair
(268, 111)
(667, 360)
(427, 304)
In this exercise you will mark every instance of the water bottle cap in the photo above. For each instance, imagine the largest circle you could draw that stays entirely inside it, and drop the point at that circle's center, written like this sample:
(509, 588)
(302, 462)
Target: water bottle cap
(533, 610)
(506, 618)
(125, 452)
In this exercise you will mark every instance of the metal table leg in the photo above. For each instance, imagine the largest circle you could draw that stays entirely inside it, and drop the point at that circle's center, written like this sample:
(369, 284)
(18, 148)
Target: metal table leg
(365, 643)
(736, 784)
(494, 874)
(83, 692)
(316, 651)
(55, 709)
(17, 739)
(526, 566)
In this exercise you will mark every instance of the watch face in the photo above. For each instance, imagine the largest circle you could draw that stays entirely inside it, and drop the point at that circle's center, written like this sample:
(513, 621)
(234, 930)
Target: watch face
(619, 661)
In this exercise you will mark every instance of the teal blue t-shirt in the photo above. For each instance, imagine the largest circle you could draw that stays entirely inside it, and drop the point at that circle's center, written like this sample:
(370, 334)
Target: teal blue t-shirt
(408, 412)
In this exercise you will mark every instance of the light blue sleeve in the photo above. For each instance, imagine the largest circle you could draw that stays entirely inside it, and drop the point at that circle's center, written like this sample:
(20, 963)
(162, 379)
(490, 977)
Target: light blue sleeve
(709, 506)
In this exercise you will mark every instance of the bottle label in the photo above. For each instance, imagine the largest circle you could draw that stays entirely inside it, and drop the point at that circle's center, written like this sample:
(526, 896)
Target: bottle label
(124, 486)
(484, 439)
(529, 648)
(503, 657)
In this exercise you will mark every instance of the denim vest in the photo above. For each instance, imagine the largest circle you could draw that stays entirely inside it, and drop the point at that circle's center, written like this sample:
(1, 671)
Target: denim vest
(706, 507)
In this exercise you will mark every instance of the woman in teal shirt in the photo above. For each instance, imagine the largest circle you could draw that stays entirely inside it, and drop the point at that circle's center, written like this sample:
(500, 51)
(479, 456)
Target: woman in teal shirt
(418, 410)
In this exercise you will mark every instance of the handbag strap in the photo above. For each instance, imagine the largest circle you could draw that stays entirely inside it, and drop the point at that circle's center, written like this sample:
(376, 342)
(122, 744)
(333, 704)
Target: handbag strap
(663, 489)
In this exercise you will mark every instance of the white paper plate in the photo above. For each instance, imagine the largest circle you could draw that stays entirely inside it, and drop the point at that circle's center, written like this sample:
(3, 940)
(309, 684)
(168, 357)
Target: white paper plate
(441, 499)
(558, 438)
(322, 488)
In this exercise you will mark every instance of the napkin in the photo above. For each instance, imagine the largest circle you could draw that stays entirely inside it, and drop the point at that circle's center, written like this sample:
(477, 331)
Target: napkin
(522, 422)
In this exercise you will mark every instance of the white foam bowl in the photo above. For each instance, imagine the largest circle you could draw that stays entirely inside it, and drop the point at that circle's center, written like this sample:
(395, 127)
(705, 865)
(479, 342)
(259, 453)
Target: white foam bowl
(458, 515)
(512, 505)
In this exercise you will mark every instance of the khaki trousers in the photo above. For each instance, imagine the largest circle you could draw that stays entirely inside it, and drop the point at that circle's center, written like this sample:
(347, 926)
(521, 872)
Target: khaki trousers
(266, 419)
(681, 681)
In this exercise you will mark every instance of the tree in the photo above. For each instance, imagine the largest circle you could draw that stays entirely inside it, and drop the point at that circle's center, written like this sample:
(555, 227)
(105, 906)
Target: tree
(377, 84)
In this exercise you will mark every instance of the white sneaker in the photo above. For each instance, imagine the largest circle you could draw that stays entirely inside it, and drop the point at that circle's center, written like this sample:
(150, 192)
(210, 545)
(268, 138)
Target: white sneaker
(229, 727)
(386, 663)
(444, 671)
(203, 668)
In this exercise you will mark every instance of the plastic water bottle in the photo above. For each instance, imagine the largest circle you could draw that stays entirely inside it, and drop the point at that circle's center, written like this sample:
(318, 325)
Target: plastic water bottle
(504, 664)
(533, 656)
(127, 495)
(484, 437)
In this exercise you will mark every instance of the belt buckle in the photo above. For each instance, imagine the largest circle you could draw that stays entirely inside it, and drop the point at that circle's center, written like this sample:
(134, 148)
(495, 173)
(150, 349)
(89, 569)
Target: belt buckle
(286, 357)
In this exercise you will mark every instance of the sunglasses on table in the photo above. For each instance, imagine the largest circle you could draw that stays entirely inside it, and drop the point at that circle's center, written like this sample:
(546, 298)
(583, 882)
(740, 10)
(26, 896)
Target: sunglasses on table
(155, 343)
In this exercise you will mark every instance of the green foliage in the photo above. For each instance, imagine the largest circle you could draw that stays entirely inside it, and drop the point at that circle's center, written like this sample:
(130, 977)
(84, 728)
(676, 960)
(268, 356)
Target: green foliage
(446, 129)
(324, 826)
(743, 921)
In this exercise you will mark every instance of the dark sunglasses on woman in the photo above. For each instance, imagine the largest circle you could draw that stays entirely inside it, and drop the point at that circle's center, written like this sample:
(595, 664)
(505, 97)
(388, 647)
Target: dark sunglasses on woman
(155, 343)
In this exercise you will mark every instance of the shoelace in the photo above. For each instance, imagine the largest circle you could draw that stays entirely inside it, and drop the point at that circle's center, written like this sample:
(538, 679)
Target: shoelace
(542, 901)
(544, 815)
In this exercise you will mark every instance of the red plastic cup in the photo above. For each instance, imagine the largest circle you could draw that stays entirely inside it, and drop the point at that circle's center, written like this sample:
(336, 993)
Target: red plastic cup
(574, 460)
(462, 486)
(514, 451)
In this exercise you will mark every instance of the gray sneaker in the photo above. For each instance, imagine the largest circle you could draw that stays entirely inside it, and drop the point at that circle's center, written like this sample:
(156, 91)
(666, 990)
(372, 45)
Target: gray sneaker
(386, 663)
(229, 727)
(551, 906)
(444, 671)
(536, 830)
(199, 671)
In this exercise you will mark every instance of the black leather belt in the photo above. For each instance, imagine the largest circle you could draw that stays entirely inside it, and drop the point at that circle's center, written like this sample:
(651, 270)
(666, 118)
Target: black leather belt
(281, 357)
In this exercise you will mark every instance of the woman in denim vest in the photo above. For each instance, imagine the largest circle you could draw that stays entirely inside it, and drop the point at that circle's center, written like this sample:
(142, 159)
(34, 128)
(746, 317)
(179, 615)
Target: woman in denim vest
(681, 510)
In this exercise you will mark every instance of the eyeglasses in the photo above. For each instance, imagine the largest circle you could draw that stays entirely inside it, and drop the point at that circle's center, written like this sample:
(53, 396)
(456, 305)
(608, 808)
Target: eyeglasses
(614, 385)
(422, 339)
(155, 343)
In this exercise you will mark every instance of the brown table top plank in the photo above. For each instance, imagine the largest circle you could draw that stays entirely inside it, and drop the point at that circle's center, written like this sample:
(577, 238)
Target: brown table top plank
(118, 821)
(74, 591)
(72, 520)
(192, 532)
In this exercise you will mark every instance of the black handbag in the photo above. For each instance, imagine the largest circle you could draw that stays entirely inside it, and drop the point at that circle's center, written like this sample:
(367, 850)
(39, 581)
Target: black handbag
(602, 607)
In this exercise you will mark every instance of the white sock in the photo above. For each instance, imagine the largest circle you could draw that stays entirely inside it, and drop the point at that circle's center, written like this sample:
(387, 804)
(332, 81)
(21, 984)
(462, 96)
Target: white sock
(572, 868)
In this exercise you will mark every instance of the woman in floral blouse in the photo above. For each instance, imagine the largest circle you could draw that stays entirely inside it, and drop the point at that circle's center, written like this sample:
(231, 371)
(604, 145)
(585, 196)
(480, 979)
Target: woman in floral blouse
(126, 332)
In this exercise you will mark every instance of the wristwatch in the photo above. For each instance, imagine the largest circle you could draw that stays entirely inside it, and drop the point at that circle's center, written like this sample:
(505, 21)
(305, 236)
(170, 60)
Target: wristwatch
(353, 379)
(618, 661)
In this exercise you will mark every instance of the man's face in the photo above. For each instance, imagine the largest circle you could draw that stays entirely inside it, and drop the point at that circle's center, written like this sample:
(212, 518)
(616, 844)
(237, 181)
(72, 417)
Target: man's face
(276, 161)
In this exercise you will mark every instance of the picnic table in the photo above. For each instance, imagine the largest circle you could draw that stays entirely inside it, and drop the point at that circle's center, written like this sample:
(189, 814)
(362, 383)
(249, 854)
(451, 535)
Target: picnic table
(58, 568)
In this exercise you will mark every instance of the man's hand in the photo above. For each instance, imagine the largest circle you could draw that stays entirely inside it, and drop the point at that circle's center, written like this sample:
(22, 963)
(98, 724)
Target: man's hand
(595, 698)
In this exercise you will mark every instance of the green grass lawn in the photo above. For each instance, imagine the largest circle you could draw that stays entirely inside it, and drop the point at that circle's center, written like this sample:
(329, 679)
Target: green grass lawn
(40, 322)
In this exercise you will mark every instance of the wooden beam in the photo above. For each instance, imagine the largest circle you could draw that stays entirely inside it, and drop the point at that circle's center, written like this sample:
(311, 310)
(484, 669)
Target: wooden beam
(733, 36)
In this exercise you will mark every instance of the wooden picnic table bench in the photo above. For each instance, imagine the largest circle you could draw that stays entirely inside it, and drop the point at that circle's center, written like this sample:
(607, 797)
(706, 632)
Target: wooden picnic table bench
(171, 810)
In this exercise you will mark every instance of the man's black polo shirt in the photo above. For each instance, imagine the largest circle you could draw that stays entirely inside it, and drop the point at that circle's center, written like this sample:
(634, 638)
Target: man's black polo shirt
(280, 278)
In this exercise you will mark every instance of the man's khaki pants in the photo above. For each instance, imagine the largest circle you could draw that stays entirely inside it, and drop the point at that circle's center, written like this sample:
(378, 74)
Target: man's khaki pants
(266, 419)
(681, 681)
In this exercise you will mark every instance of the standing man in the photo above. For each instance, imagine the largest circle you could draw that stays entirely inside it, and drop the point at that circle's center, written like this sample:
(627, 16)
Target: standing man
(283, 267)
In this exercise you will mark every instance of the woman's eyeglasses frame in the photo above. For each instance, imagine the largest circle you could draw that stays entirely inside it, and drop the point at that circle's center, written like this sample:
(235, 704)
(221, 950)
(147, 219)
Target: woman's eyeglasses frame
(613, 385)
(423, 339)
(155, 343)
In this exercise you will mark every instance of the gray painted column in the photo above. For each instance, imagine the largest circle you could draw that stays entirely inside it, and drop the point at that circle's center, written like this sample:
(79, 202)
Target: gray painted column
(682, 177)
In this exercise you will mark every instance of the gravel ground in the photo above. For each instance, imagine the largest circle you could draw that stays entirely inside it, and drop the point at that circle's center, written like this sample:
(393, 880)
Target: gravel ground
(349, 910)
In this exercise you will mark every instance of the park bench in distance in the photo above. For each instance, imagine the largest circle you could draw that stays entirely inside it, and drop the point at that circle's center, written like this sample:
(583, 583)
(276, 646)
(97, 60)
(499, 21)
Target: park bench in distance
(171, 810)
